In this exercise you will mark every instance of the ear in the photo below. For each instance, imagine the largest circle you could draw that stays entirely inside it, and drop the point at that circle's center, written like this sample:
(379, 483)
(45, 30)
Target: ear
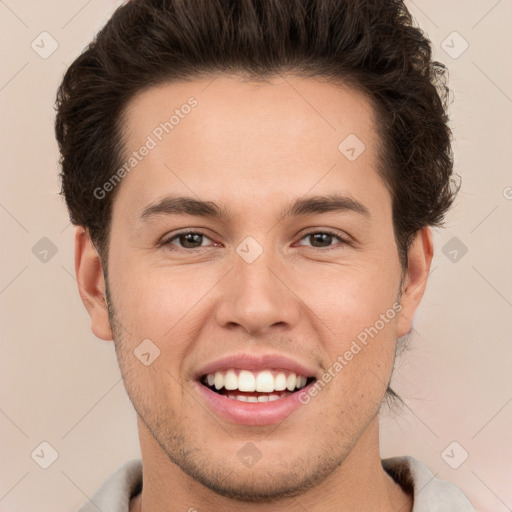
(415, 280)
(91, 283)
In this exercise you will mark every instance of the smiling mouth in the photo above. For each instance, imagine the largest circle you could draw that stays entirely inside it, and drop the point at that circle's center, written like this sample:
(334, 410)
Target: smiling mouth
(255, 386)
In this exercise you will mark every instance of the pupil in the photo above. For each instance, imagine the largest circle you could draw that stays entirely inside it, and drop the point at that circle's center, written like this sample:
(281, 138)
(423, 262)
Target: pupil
(317, 237)
(196, 238)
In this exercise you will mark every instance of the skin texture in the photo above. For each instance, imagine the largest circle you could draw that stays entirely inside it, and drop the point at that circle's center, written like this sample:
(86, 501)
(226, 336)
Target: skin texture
(253, 148)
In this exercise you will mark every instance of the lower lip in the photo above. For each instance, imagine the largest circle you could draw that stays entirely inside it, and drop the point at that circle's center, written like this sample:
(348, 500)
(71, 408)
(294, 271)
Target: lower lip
(251, 413)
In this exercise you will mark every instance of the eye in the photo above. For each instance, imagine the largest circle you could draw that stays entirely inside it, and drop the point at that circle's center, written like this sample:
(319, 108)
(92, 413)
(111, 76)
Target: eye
(323, 239)
(187, 239)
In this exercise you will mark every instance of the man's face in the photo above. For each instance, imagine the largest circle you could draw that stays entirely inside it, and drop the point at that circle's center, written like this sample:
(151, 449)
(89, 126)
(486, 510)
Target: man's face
(321, 279)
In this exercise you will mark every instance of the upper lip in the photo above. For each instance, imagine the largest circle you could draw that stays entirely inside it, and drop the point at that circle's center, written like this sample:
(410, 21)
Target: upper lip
(255, 362)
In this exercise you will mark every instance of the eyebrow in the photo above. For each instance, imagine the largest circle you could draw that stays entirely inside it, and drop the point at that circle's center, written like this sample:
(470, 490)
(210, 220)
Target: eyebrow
(180, 205)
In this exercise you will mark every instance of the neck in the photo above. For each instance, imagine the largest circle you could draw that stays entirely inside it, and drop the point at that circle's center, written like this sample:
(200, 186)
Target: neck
(358, 484)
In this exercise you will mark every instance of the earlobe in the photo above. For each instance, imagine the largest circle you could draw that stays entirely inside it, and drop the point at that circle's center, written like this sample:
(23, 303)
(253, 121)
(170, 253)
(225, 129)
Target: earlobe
(91, 283)
(415, 281)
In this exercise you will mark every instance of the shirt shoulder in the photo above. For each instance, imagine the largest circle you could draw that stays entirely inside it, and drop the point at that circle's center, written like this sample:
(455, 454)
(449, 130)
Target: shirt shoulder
(116, 491)
(430, 493)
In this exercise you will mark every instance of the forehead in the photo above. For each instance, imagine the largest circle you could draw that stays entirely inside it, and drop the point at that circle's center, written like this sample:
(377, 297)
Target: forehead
(245, 141)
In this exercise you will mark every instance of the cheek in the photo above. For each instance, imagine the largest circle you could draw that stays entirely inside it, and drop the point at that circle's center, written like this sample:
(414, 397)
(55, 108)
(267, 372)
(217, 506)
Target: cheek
(144, 297)
(359, 311)
(352, 297)
(164, 305)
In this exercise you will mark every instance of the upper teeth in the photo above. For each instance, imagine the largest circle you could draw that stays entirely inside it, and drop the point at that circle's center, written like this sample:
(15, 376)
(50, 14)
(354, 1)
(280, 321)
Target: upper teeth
(266, 381)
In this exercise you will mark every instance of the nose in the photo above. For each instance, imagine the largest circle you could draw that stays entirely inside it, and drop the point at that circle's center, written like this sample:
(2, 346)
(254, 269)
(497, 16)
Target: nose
(258, 297)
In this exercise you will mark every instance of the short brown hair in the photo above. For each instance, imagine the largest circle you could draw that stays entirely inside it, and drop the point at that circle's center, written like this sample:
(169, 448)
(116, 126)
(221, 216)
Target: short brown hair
(370, 45)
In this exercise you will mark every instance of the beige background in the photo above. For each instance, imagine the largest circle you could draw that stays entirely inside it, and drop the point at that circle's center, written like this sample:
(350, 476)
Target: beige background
(62, 386)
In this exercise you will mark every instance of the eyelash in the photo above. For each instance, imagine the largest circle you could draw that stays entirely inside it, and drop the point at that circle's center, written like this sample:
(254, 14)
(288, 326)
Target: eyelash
(343, 241)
